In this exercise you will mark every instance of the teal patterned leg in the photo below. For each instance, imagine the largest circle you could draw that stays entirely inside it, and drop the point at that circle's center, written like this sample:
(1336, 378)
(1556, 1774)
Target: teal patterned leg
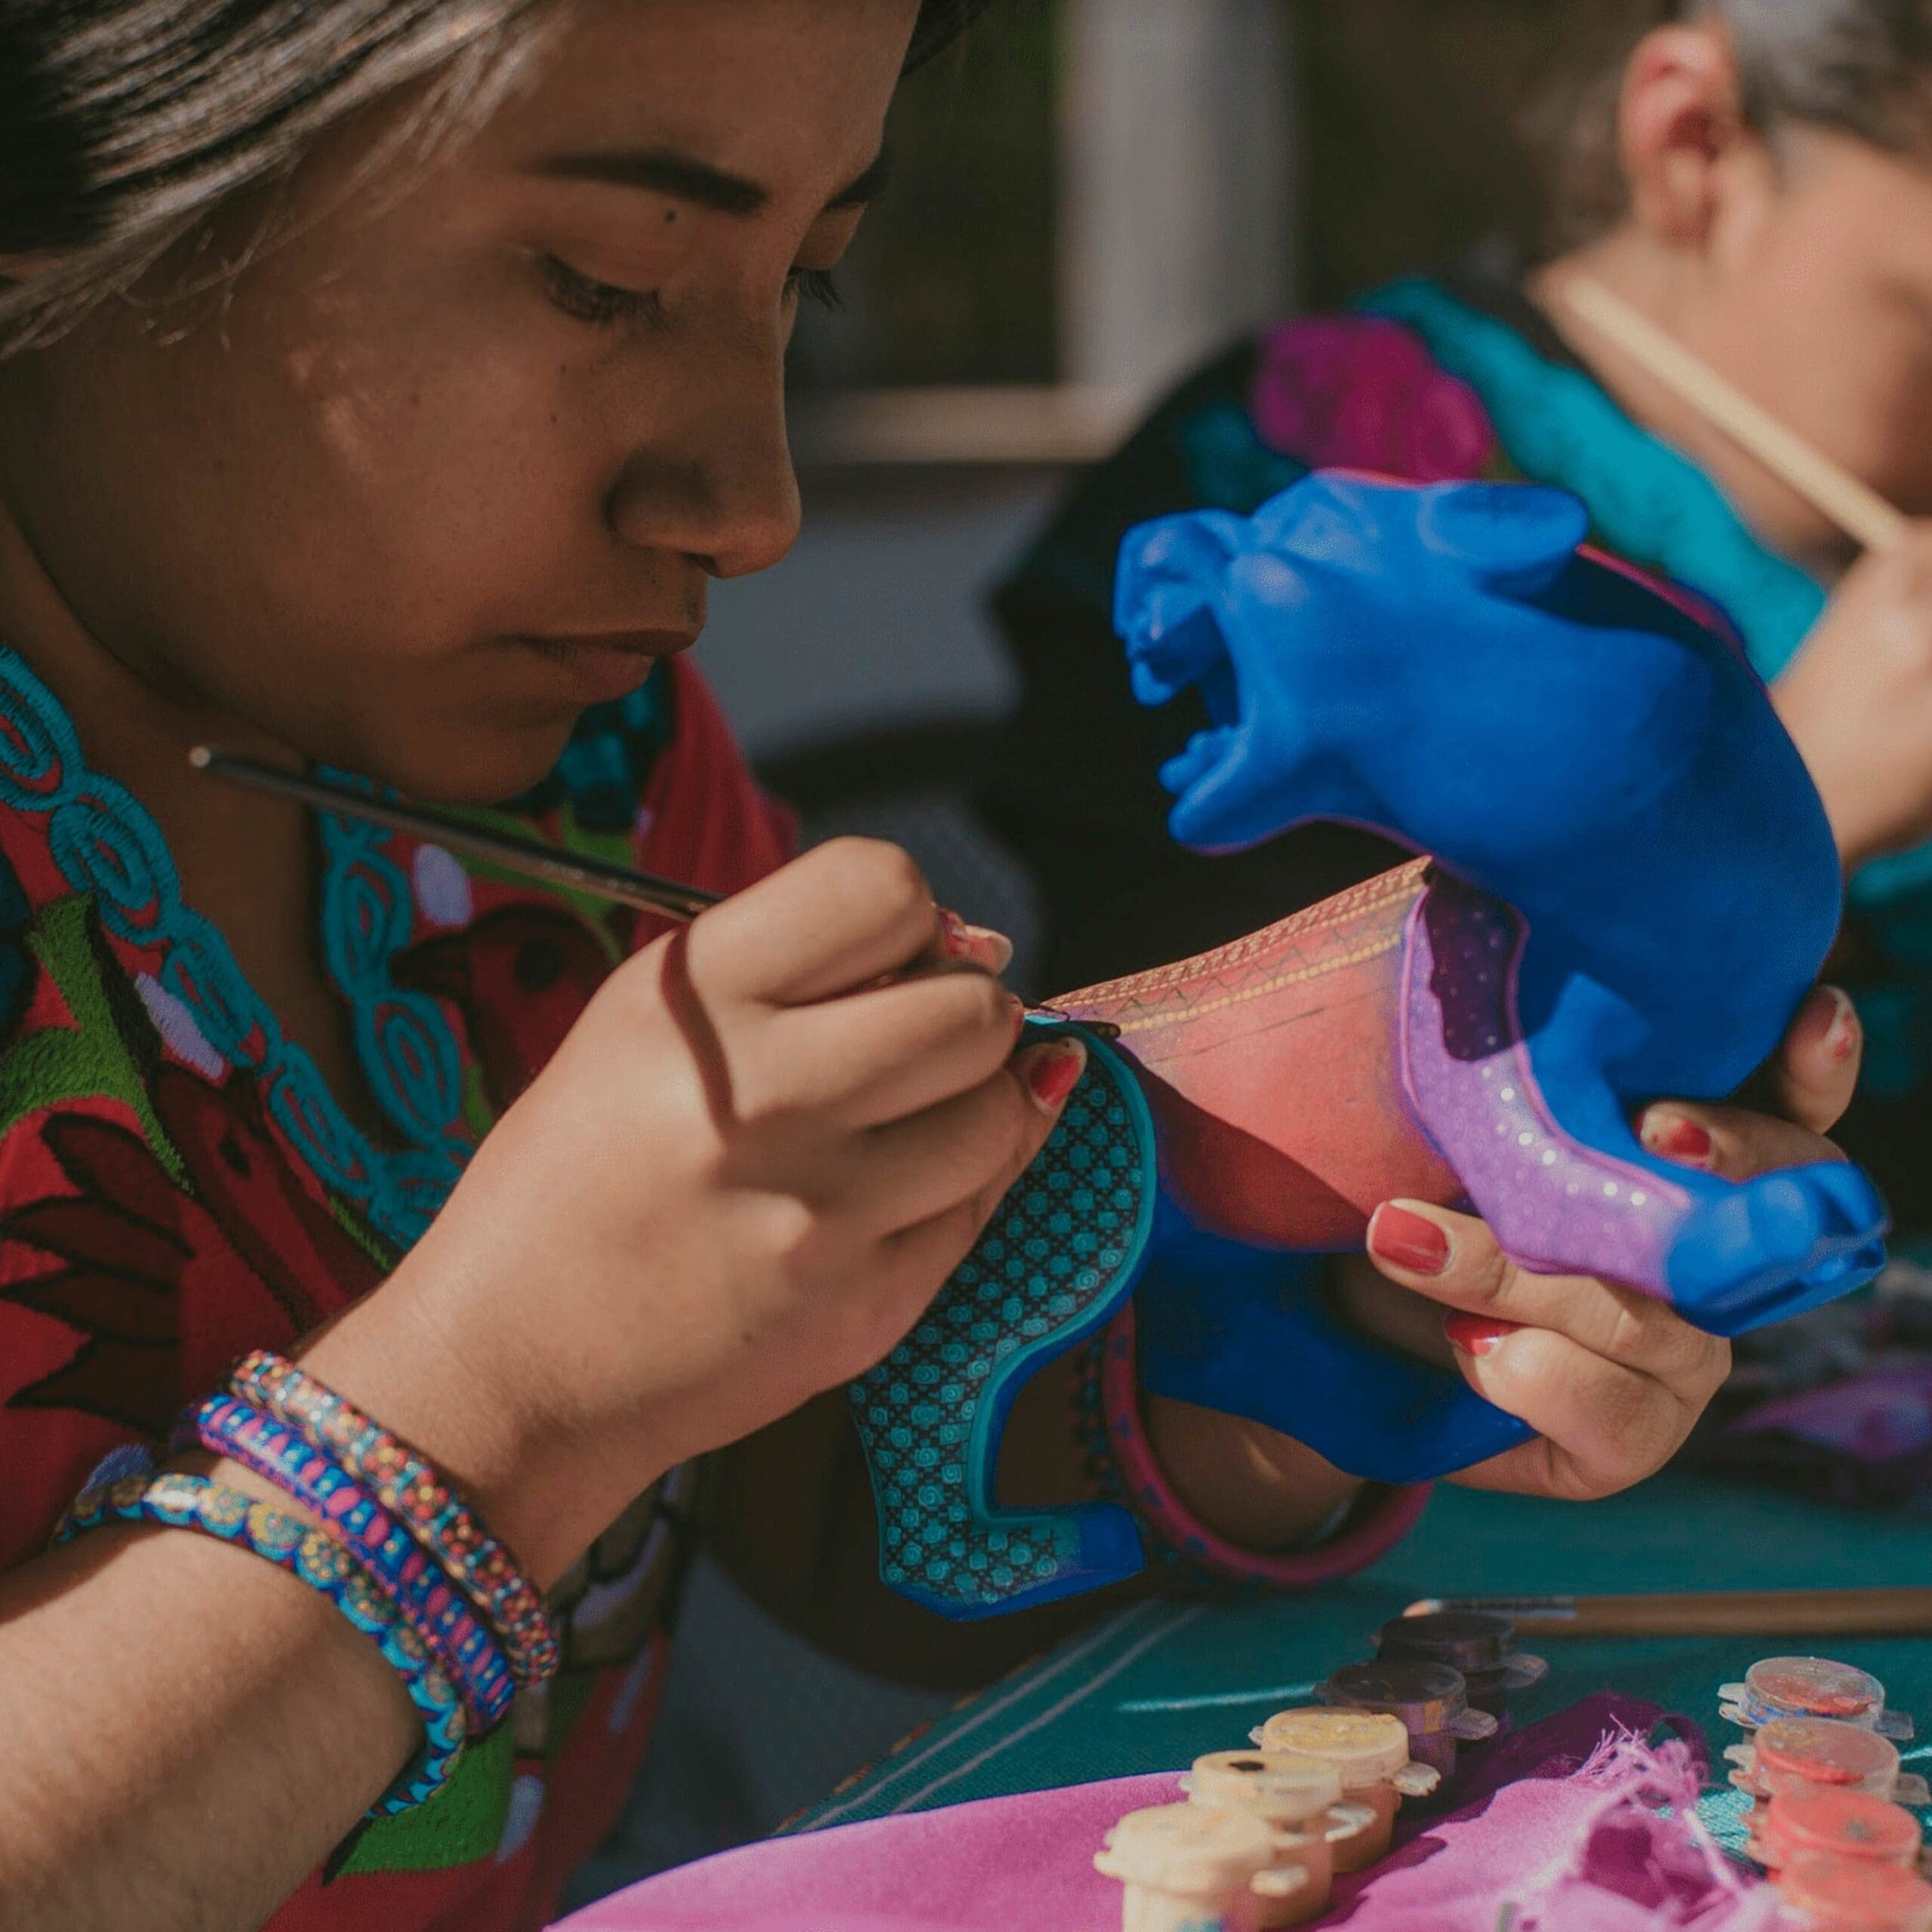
(1057, 1260)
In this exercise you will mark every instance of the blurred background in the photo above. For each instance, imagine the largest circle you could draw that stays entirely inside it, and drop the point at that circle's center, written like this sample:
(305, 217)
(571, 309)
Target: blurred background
(1090, 197)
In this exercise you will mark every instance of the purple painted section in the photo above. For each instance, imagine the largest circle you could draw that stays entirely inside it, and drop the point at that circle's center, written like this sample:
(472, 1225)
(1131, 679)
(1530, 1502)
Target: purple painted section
(1555, 1205)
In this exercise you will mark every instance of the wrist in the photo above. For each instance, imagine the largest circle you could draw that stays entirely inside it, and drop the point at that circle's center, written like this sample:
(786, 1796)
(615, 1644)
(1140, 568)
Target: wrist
(1246, 1483)
(397, 1357)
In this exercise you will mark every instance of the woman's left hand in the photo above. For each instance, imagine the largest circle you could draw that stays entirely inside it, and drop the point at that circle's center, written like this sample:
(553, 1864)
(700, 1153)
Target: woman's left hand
(1612, 1380)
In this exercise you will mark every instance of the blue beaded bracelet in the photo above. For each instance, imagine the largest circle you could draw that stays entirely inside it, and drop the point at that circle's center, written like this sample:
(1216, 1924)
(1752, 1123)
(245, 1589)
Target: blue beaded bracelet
(423, 1597)
(322, 1562)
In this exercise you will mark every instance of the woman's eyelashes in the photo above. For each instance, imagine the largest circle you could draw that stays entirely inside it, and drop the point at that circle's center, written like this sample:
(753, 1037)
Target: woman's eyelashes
(604, 304)
(818, 285)
(601, 303)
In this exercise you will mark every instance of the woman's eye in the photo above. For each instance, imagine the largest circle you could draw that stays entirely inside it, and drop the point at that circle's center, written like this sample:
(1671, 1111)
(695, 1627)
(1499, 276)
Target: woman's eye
(818, 285)
(599, 303)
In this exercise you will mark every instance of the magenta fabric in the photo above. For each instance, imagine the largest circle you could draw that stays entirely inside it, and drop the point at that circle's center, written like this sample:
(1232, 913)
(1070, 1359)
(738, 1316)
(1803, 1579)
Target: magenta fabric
(1362, 392)
(1567, 1838)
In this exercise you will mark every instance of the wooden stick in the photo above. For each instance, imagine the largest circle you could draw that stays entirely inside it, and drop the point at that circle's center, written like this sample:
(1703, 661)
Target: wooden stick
(524, 857)
(1847, 1612)
(1827, 486)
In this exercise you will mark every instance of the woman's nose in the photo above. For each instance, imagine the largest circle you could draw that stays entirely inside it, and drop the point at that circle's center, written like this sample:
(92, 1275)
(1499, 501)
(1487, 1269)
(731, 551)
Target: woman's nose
(724, 491)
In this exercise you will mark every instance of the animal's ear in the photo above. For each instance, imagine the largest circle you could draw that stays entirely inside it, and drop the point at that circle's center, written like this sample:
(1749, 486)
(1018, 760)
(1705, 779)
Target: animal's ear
(1516, 538)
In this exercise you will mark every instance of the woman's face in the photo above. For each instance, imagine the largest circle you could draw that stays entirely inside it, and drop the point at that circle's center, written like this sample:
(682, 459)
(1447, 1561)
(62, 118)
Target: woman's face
(450, 461)
(1814, 294)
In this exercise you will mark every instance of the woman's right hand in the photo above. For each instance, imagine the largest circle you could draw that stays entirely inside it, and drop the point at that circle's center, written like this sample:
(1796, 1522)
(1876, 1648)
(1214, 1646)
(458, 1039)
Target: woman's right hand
(751, 1166)
(1857, 699)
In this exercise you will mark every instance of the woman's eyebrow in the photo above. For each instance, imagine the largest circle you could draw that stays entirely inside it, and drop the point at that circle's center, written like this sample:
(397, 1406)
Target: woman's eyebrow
(665, 172)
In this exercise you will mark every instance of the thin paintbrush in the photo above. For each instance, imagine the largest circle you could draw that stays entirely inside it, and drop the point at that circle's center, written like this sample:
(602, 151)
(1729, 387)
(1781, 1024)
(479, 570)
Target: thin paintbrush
(1861, 1612)
(523, 856)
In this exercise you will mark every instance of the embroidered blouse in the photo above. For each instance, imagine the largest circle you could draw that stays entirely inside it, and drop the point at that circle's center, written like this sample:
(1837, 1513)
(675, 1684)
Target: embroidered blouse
(178, 1185)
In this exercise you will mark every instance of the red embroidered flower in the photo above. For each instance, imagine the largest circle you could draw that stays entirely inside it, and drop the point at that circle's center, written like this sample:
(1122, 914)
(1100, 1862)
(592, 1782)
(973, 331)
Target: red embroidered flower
(520, 976)
(168, 1286)
(1361, 392)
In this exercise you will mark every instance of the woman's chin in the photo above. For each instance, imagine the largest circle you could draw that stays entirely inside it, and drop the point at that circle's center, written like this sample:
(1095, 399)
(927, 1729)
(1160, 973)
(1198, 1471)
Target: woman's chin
(478, 768)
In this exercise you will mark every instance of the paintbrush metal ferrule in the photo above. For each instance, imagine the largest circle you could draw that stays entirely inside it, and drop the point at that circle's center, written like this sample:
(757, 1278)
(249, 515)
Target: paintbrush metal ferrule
(526, 857)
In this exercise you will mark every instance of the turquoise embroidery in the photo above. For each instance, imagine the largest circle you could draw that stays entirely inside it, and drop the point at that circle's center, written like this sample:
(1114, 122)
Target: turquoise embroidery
(107, 846)
(1652, 505)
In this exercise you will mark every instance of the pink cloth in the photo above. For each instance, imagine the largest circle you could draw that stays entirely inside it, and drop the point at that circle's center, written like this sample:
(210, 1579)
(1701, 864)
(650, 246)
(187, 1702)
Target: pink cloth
(1574, 1850)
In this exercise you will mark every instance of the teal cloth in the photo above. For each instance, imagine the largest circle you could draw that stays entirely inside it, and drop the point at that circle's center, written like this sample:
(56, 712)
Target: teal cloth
(1163, 1681)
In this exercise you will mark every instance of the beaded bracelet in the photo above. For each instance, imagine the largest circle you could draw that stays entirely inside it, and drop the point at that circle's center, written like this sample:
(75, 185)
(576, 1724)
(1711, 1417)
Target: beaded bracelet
(423, 1597)
(194, 1502)
(449, 1533)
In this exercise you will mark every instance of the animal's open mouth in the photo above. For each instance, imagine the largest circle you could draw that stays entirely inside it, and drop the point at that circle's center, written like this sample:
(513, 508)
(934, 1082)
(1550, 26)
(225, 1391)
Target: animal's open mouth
(1167, 659)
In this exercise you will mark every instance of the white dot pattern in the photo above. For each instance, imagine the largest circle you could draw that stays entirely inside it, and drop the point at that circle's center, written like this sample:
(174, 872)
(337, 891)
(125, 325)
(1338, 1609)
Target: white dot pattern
(1555, 1203)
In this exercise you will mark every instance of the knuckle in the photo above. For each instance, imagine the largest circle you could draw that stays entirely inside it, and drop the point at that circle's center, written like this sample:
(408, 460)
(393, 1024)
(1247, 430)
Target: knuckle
(887, 874)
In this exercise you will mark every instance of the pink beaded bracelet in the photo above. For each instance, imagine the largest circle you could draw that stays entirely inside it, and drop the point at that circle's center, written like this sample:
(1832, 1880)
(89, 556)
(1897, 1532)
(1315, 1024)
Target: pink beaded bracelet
(446, 1530)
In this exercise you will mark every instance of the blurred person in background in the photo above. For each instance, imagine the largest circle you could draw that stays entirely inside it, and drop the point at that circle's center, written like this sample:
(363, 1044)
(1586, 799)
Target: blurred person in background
(1752, 175)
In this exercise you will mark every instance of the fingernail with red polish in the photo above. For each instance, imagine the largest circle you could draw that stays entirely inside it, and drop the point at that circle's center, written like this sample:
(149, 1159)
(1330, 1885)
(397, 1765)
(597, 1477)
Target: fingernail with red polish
(1824, 1009)
(1677, 1139)
(1841, 1042)
(1054, 1072)
(1477, 1334)
(979, 944)
(1409, 1241)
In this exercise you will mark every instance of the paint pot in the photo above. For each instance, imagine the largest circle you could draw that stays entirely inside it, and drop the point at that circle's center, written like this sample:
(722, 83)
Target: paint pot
(1845, 1824)
(1370, 1750)
(1479, 1643)
(1431, 1699)
(1854, 1895)
(1300, 1800)
(1791, 1755)
(1190, 1867)
(1810, 1687)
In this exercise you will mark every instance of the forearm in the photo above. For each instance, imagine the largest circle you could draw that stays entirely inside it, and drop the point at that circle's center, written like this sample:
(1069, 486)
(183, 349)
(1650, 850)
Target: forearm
(190, 1731)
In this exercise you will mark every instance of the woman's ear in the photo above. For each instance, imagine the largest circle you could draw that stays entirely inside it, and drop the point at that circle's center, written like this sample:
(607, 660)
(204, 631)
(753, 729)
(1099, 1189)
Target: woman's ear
(1680, 118)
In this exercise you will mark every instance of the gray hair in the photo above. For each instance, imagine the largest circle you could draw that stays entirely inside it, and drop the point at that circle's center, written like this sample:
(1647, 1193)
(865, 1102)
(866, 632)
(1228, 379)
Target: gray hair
(126, 126)
(1859, 67)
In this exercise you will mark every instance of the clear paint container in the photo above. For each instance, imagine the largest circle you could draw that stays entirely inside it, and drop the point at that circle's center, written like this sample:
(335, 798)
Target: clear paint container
(1810, 1687)
(1842, 1824)
(1854, 1895)
(1431, 1700)
(1479, 1643)
(1190, 1867)
(1790, 1755)
(1299, 1799)
(1370, 1750)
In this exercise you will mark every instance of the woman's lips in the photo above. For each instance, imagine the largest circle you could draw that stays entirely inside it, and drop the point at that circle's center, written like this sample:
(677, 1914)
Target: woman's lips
(605, 666)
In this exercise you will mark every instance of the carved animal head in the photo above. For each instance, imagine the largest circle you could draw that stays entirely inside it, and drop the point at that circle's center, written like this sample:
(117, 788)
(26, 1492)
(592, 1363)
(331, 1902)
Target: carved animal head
(1439, 663)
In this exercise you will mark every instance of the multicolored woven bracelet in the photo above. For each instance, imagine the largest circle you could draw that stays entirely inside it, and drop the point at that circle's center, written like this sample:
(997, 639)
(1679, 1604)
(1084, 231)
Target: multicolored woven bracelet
(449, 1532)
(423, 1596)
(322, 1562)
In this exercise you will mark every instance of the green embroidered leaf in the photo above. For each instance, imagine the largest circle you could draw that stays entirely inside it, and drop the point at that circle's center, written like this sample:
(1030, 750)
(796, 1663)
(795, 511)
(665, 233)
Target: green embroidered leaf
(478, 1114)
(462, 1824)
(613, 847)
(111, 1051)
